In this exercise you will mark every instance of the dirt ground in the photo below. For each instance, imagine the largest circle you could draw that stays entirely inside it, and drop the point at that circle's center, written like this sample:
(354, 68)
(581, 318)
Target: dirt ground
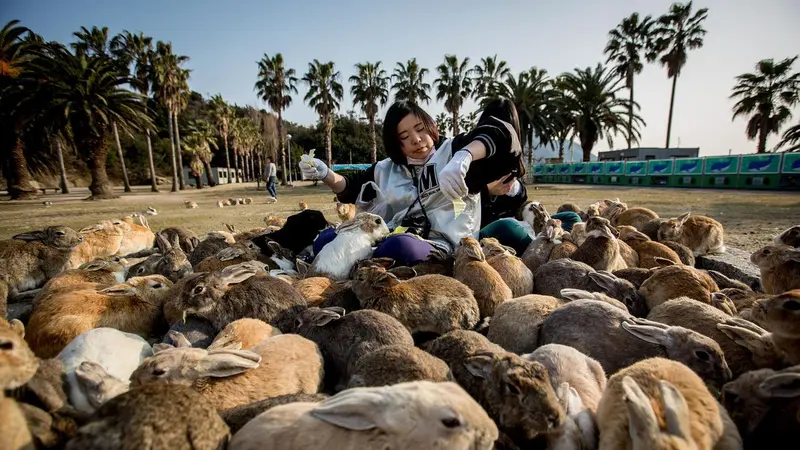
(751, 219)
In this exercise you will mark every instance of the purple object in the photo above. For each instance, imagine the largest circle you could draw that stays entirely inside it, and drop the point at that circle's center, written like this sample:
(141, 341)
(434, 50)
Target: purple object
(405, 249)
(323, 239)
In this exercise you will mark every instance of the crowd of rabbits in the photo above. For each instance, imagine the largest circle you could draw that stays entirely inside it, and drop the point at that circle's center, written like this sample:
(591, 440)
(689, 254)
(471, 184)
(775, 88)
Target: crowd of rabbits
(605, 336)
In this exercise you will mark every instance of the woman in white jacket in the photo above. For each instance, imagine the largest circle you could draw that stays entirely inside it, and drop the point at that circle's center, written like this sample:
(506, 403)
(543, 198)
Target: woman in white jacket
(422, 188)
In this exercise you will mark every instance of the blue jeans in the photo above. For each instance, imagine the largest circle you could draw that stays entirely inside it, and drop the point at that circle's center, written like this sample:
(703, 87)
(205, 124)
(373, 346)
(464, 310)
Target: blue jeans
(271, 187)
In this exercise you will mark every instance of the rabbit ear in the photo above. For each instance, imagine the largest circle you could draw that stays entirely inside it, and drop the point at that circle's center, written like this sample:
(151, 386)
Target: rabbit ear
(31, 236)
(664, 262)
(510, 250)
(648, 333)
(275, 247)
(641, 417)
(237, 273)
(355, 409)
(302, 267)
(162, 243)
(473, 252)
(792, 255)
(231, 228)
(229, 253)
(403, 272)
(676, 411)
(782, 385)
(94, 266)
(221, 363)
(683, 218)
(326, 315)
(17, 327)
(604, 280)
(161, 346)
(386, 279)
(576, 294)
(178, 339)
(479, 366)
(193, 243)
(176, 242)
(119, 289)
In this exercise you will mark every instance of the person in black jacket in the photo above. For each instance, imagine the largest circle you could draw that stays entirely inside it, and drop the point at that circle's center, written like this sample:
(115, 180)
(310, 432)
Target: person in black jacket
(423, 189)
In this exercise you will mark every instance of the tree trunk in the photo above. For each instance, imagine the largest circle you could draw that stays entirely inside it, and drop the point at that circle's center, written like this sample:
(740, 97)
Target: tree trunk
(174, 159)
(282, 150)
(236, 166)
(587, 149)
(260, 171)
(561, 150)
(209, 175)
(328, 131)
(253, 176)
(630, 108)
(125, 181)
(227, 159)
(198, 178)
(454, 125)
(181, 183)
(153, 183)
(374, 154)
(19, 179)
(671, 105)
(762, 134)
(61, 168)
(100, 188)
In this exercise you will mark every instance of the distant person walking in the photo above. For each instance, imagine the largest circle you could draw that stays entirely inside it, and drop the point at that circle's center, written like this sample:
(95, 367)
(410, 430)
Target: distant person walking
(272, 177)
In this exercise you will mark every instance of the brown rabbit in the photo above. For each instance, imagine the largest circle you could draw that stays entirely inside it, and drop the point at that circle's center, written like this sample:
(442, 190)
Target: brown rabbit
(273, 221)
(780, 268)
(702, 234)
(612, 210)
(100, 271)
(538, 251)
(28, 260)
(187, 238)
(677, 281)
(429, 303)
(645, 248)
(635, 217)
(601, 249)
(535, 215)
(239, 252)
(504, 260)
(99, 241)
(18, 364)
(133, 307)
(173, 263)
(345, 211)
(486, 283)
(781, 315)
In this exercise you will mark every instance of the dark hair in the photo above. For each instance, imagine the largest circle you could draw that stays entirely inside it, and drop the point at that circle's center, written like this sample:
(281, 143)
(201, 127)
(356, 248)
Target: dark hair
(504, 109)
(396, 113)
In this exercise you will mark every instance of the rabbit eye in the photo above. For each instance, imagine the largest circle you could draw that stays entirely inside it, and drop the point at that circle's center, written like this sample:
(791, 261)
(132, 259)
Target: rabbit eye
(141, 269)
(7, 345)
(451, 422)
(59, 233)
(159, 371)
(702, 355)
(792, 305)
(198, 290)
(158, 286)
(767, 252)
(377, 221)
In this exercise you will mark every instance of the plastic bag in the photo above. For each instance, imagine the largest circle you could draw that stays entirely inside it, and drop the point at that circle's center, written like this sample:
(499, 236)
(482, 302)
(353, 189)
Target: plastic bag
(372, 200)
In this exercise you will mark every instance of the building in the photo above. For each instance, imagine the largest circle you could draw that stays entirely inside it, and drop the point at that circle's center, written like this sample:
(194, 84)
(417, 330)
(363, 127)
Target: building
(220, 175)
(647, 153)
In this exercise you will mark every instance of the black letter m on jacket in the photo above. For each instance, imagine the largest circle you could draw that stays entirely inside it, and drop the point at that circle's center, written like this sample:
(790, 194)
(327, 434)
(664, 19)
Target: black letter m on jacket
(428, 179)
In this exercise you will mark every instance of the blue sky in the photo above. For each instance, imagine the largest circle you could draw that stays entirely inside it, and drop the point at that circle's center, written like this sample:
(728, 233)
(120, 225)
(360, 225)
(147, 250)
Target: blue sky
(224, 39)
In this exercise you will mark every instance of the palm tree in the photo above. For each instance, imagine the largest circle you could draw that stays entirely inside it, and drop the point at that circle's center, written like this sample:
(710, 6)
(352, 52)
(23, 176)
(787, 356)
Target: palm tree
(370, 89)
(443, 123)
(487, 74)
(678, 32)
(221, 114)
(275, 86)
(409, 82)
(237, 137)
(590, 99)
(137, 49)
(625, 45)
(87, 94)
(166, 80)
(791, 137)
(15, 55)
(767, 96)
(454, 85)
(95, 42)
(198, 145)
(324, 94)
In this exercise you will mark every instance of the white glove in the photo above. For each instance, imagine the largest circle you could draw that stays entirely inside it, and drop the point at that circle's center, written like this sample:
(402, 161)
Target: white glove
(313, 169)
(452, 178)
(515, 189)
